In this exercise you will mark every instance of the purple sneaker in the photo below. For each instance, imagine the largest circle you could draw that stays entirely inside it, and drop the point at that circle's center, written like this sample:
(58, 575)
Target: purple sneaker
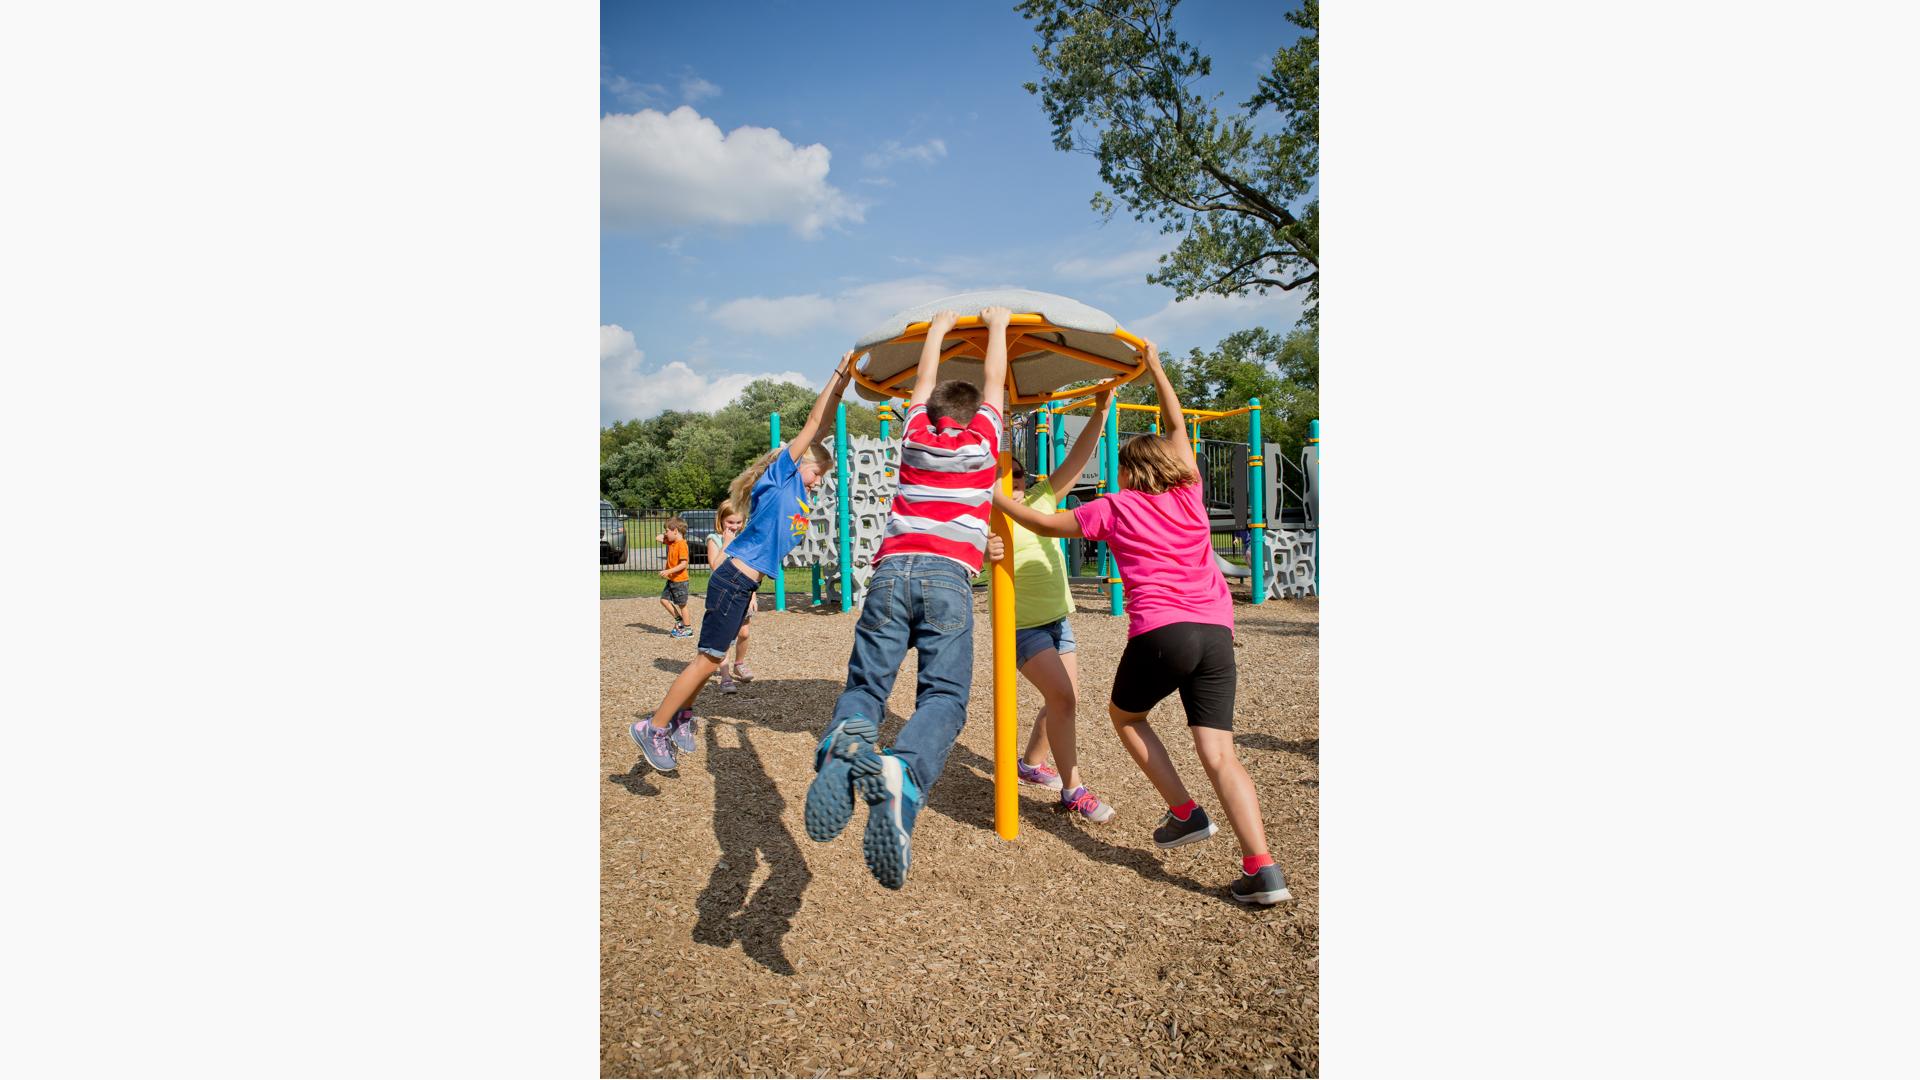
(1086, 804)
(680, 730)
(1040, 776)
(655, 744)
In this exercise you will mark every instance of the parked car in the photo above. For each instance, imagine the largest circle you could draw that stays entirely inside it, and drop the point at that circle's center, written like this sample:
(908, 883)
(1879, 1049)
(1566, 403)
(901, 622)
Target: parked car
(699, 524)
(613, 535)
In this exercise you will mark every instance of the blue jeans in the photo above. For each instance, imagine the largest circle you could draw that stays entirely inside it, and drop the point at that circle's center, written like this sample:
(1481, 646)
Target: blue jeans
(924, 602)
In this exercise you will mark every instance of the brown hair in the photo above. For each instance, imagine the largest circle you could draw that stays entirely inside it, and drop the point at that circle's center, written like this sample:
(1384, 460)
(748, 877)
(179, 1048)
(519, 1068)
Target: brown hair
(679, 525)
(740, 492)
(1150, 464)
(954, 400)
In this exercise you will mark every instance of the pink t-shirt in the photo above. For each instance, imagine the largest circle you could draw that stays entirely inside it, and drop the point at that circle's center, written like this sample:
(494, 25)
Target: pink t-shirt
(1164, 549)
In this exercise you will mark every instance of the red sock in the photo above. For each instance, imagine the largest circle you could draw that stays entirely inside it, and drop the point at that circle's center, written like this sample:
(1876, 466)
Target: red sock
(1252, 863)
(1184, 810)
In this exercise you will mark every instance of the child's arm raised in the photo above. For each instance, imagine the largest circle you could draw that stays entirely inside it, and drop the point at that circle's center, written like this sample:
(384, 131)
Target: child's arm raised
(928, 374)
(1176, 421)
(994, 393)
(1039, 522)
(1082, 451)
(836, 386)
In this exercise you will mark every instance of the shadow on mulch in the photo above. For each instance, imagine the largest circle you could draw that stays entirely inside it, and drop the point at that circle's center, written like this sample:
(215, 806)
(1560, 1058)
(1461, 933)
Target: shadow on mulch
(650, 628)
(747, 823)
(635, 779)
(1306, 748)
(1046, 816)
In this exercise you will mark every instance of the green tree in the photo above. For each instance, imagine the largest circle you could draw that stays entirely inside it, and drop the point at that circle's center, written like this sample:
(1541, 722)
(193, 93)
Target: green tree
(1119, 84)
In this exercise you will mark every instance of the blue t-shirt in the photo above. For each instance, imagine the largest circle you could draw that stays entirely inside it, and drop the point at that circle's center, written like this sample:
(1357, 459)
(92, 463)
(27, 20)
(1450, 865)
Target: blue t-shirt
(776, 521)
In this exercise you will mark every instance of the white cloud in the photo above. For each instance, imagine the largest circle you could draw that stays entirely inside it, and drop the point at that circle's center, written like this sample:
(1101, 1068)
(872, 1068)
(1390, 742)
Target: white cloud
(925, 153)
(630, 391)
(693, 88)
(1129, 264)
(635, 94)
(853, 311)
(1205, 319)
(664, 170)
(774, 316)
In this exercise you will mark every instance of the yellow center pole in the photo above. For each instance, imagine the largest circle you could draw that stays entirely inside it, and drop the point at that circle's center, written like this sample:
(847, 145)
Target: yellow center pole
(1006, 715)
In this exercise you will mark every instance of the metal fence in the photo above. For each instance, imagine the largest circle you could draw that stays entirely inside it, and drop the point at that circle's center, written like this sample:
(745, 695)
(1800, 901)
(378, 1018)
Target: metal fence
(631, 540)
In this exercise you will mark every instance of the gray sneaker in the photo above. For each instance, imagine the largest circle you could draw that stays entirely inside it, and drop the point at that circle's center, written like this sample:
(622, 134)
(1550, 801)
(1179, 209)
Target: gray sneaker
(656, 745)
(1174, 833)
(1264, 886)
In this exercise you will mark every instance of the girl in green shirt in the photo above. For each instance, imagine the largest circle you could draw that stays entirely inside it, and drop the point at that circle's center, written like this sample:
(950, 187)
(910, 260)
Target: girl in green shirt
(1043, 638)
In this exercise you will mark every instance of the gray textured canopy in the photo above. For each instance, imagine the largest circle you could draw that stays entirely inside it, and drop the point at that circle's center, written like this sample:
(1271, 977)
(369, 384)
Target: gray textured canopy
(1036, 370)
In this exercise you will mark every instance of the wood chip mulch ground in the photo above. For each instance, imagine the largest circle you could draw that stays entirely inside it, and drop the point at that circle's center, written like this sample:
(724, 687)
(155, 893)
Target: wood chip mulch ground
(731, 945)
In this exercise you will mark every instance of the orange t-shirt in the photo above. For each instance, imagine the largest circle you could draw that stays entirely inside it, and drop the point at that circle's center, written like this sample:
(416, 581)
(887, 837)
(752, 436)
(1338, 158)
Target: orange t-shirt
(677, 553)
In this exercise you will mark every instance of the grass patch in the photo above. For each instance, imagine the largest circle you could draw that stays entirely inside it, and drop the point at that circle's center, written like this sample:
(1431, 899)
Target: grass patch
(618, 584)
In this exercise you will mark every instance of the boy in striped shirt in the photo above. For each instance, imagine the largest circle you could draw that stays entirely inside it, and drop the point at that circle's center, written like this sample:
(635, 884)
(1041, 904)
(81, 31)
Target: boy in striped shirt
(921, 596)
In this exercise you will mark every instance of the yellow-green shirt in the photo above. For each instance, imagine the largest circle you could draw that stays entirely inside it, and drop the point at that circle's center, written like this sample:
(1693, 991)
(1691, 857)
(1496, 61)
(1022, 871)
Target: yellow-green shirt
(1039, 570)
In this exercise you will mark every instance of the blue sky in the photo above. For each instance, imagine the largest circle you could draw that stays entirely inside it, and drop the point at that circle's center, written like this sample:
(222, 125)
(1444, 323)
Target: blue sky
(779, 176)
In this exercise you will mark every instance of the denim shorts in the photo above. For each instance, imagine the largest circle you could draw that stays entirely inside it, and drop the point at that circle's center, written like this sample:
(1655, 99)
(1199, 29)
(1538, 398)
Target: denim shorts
(1056, 635)
(729, 594)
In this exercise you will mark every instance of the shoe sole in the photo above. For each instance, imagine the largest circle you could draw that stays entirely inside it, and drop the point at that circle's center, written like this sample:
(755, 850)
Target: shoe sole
(1263, 899)
(1054, 786)
(887, 844)
(829, 804)
(1190, 838)
(647, 757)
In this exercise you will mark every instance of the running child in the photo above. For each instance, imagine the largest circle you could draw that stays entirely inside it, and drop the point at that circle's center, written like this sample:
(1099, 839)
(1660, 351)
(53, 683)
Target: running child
(774, 489)
(1043, 638)
(920, 596)
(729, 521)
(1179, 634)
(673, 596)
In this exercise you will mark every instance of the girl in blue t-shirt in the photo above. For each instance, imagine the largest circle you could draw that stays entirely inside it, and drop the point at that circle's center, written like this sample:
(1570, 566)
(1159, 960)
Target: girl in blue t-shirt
(775, 490)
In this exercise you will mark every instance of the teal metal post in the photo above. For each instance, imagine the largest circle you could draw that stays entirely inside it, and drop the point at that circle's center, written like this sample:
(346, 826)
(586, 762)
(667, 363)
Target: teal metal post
(779, 572)
(1053, 468)
(886, 414)
(1116, 596)
(1313, 439)
(1256, 503)
(843, 501)
(816, 583)
(1043, 455)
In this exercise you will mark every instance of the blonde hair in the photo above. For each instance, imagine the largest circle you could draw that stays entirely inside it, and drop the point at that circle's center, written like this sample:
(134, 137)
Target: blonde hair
(740, 492)
(1152, 466)
(721, 513)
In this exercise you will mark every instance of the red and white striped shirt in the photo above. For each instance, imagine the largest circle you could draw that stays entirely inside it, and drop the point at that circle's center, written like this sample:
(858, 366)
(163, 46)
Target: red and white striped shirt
(946, 488)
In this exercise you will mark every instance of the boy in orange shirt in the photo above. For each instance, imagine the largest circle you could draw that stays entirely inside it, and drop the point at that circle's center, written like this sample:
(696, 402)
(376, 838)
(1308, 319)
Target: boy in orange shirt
(674, 596)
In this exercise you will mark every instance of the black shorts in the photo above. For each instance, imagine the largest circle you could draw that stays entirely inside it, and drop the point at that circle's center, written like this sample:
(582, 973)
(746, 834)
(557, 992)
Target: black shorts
(676, 593)
(1193, 658)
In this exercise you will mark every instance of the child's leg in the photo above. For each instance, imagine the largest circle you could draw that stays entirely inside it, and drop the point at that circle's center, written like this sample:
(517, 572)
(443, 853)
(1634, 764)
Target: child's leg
(940, 627)
(1150, 754)
(1208, 695)
(1053, 674)
(1037, 745)
(1233, 785)
(879, 647)
(667, 606)
(685, 688)
(740, 643)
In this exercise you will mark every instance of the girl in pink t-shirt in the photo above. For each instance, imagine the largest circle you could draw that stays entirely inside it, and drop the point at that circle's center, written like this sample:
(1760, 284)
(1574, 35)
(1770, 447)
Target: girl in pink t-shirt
(1179, 634)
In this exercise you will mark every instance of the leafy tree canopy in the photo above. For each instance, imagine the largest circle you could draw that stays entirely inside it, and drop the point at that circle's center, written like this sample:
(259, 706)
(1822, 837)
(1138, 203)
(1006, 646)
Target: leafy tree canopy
(1118, 83)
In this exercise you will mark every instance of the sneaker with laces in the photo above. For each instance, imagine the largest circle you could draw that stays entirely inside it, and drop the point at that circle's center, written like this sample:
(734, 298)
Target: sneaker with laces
(681, 632)
(1173, 832)
(893, 802)
(1039, 775)
(655, 745)
(681, 729)
(845, 751)
(727, 685)
(1264, 886)
(1085, 803)
(742, 672)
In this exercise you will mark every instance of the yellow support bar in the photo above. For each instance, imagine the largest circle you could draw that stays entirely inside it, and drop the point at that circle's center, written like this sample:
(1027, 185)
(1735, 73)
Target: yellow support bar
(1006, 706)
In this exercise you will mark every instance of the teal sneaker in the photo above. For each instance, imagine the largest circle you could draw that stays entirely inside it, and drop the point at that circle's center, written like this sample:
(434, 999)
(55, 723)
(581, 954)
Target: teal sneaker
(893, 802)
(845, 751)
